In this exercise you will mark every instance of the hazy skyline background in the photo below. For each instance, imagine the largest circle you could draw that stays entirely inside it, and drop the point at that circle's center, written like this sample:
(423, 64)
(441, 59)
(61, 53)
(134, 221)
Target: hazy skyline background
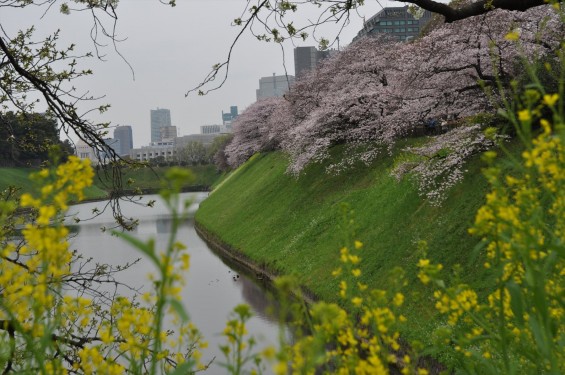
(171, 50)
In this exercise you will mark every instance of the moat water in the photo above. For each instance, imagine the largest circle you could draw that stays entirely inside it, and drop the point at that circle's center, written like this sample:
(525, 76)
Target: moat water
(213, 287)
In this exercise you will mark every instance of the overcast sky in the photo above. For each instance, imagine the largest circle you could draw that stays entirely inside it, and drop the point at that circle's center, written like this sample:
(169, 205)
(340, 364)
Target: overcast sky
(171, 50)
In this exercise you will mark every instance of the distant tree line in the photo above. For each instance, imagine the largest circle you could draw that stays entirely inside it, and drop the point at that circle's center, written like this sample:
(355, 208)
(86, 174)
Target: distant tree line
(197, 153)
(25, 139)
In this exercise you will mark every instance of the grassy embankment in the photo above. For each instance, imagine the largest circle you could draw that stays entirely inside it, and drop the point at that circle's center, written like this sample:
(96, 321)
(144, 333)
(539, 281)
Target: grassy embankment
(144, 178)
(293, 226)
(19, 178)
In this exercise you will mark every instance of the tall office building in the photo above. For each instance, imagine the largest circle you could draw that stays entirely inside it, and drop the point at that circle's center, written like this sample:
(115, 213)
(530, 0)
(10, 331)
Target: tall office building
(395, 21)
(160, 118)
(274, 86)
(234, 112)
(114, 145)
(307, 58)
(168, 132)
(228, 117)
(125, 136)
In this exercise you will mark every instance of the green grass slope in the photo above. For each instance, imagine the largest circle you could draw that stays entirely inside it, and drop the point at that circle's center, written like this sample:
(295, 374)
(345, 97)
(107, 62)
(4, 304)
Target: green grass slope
(144, 178)
(293, 226)
(19, 178)
(15, 177)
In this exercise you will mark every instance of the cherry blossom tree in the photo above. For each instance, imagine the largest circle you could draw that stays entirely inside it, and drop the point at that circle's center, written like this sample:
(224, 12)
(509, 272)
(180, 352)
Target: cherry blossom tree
(251, 131)
(378, 91)
(349, 92)
(439, 164)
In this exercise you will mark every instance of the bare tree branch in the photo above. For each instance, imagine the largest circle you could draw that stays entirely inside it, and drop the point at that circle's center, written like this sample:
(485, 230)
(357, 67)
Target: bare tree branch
(453, 14)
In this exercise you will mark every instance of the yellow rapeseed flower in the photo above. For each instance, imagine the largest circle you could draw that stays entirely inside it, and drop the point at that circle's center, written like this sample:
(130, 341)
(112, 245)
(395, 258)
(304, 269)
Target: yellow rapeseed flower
(524, 115)
(354, 259)
(336, 272)
(423, 263)
(550, 99)
(398, 299)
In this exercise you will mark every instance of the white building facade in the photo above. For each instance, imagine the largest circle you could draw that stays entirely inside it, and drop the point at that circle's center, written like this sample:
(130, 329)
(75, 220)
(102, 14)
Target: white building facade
(274, 86)
(155, 149)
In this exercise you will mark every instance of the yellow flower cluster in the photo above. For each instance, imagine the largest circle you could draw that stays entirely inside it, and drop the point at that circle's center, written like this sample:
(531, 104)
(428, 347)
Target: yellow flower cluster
(32, 273)
(522, 225)
(58, 332)
(456, 303)
(428, 271)
(363, 341)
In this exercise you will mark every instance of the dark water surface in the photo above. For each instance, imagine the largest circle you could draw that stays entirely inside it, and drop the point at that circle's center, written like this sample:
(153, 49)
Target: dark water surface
(212, 288)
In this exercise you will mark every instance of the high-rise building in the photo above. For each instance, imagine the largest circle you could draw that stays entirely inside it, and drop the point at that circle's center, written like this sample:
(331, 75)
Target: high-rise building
(114, 144)
(160, 118)
(234, 112)
(307, 58)
(228, 117)
(168, 132)
(125, 136)
(395, 21)
(274, 86)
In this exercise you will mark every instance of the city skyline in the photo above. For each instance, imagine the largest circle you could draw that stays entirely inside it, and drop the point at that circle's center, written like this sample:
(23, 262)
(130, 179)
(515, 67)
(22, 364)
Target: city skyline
(184, 42)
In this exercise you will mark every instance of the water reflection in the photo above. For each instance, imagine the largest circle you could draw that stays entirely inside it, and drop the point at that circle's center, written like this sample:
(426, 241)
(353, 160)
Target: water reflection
(213, 288)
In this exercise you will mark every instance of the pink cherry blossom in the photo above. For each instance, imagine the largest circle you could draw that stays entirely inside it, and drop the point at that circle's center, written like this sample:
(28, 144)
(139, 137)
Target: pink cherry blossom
(378, 91)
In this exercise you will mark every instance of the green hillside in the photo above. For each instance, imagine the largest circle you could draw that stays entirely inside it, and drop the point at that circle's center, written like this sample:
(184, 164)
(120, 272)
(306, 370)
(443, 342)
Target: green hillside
(144, 178)
(293, 226)
(19, 178)
(15, 177)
